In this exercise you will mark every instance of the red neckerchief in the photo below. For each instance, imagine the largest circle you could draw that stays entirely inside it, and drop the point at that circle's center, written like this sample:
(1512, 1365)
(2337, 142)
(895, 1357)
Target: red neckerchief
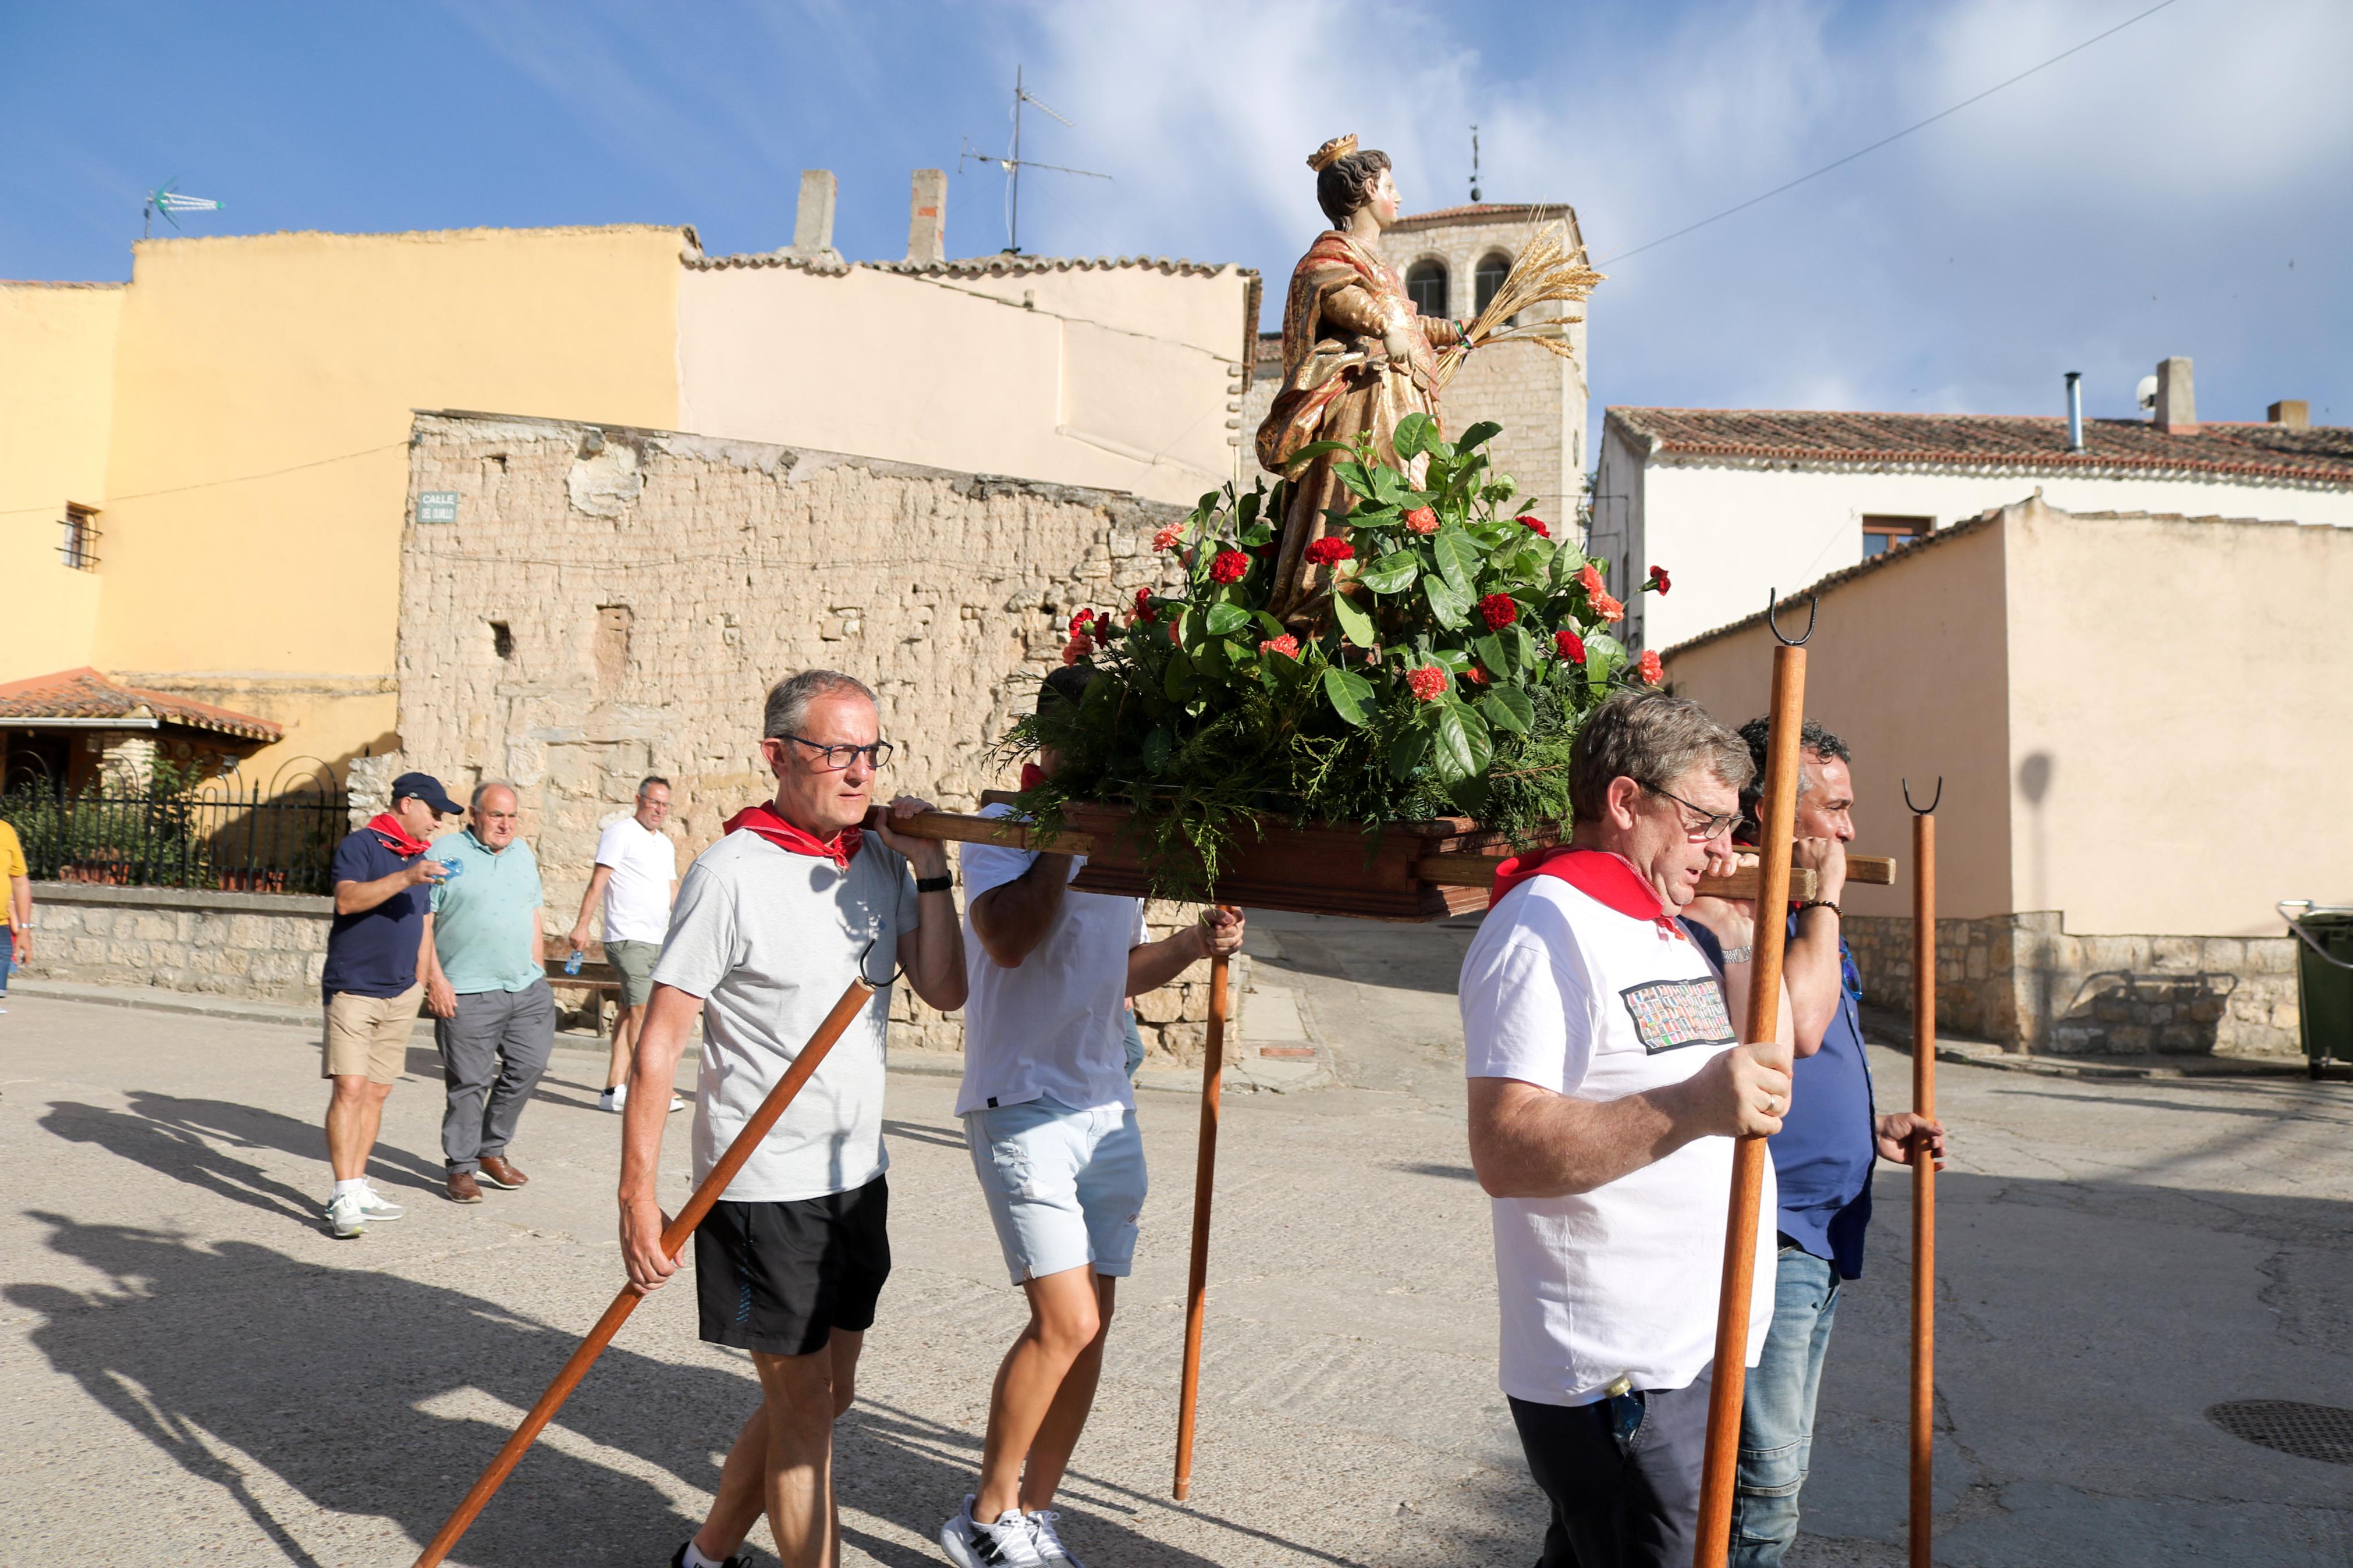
(764, 820)
(394, 836)
(1608, 879)
(1032, 775)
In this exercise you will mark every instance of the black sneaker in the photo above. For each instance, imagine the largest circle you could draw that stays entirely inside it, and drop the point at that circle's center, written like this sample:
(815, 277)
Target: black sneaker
(678, 1558)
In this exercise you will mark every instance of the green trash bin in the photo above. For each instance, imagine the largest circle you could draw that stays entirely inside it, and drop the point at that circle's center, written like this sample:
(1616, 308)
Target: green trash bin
(2324, 978)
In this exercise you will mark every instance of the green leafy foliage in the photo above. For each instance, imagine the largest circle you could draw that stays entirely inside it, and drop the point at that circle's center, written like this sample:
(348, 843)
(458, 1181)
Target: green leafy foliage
(1394, 698)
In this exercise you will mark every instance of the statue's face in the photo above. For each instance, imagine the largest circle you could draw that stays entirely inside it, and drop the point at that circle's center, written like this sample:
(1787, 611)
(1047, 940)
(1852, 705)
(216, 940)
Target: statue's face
(1385, 202)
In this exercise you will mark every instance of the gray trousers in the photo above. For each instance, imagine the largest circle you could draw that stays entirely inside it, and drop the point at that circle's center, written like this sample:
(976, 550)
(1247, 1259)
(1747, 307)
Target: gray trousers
(493, 1053)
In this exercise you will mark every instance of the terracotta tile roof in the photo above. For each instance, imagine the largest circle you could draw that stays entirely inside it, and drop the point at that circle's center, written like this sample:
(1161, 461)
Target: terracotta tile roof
(1484, 212)
(85, 694)
(2321, 454)
(973, 267)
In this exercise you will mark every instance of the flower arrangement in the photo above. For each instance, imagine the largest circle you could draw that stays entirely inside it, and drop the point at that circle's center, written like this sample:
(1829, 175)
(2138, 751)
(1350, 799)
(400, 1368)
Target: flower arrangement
(1445, 671)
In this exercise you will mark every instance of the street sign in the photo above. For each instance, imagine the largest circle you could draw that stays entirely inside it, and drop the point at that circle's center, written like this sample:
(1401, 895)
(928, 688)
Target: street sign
(436, 506)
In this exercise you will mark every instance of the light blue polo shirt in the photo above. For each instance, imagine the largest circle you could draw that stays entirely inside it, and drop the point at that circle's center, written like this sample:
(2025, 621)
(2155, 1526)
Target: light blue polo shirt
(483, 916)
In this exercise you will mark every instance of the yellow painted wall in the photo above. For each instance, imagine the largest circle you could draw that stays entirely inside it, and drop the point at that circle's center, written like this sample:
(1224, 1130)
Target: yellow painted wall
(258, 469)
(57, 395)
(1908, 663)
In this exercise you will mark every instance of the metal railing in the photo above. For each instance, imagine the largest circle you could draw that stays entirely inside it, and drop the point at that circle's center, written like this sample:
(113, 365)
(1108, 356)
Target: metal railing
(169, 830)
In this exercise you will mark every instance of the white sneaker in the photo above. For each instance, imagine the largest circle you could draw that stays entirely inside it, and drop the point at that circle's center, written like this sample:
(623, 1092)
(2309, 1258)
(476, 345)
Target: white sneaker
(347, 1217)
(614, 1099)
(376, 1206)
(1050, 1546)
(1010, 1542)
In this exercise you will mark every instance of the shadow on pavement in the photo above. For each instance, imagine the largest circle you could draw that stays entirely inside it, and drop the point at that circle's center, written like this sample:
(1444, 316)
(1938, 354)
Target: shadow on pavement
(229, 1354)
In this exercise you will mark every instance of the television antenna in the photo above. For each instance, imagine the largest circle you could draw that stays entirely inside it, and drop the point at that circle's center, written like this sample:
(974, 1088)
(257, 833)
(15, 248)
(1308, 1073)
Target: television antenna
(167, 201)
(1475, 162)
(1014, 163)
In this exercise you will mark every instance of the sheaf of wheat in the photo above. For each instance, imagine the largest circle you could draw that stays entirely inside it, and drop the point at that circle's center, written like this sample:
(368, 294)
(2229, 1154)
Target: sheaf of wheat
(1552, 268)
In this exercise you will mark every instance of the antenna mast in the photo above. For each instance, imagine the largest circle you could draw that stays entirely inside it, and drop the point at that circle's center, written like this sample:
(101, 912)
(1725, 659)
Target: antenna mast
(1014, 165)
(1475, 162)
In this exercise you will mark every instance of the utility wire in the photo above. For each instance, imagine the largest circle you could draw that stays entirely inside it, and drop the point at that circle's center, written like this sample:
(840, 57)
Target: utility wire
(1884, 141)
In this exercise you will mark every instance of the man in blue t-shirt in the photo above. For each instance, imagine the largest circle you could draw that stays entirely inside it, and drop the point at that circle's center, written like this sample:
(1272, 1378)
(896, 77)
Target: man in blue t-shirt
(376, 963)
(1823, 1155)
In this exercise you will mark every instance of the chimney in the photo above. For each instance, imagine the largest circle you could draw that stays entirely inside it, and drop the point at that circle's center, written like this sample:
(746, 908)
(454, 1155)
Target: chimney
(2074, 411)
(2176, 402)
(927, 218)
(813, 219)
(2294, 413)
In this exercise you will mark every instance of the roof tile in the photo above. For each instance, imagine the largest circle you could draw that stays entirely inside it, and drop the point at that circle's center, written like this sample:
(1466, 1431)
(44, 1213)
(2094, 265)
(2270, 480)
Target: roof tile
(84, 693)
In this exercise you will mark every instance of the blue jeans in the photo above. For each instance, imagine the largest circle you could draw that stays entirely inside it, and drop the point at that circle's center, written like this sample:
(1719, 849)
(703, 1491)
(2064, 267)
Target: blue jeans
(1777, 1412)
(7, 951)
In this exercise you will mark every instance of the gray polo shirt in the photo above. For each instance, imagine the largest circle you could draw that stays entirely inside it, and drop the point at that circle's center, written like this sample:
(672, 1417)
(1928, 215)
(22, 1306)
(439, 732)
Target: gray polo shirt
(770, 940)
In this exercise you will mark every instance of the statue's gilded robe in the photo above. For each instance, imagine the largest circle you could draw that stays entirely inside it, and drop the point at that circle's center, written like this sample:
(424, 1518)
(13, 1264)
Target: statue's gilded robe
(1338, 385)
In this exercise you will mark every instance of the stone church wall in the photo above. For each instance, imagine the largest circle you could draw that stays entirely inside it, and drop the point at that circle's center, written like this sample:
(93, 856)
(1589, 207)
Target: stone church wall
(614, 602)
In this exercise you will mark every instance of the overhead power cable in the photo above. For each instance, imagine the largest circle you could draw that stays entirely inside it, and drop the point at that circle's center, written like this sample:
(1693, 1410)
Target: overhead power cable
(1898, 136)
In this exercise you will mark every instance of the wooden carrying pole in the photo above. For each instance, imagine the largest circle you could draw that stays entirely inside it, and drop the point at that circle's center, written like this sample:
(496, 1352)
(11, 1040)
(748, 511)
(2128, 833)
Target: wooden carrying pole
(1923, 1179)
(674, 1242)
(1778, 811)
(1213, 1072)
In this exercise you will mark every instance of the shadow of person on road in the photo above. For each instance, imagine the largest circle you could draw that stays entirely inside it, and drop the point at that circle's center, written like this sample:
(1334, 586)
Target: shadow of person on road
(370, 1394)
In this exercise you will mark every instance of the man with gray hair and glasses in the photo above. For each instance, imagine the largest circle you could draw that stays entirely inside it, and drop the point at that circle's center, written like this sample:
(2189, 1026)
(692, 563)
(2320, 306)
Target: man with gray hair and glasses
(486, 982)
(799, 897)
(1607, 1086)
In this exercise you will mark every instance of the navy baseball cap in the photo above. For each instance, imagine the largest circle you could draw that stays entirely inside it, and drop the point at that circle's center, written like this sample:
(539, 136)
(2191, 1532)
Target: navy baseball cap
(427, 788)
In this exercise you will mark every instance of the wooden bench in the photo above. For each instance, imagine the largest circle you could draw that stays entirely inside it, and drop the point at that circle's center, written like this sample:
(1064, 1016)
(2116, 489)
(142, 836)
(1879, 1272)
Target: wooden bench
(599, 980)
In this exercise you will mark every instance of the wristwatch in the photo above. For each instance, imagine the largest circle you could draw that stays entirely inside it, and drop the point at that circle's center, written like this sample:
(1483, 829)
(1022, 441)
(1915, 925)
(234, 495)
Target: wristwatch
(939, 884)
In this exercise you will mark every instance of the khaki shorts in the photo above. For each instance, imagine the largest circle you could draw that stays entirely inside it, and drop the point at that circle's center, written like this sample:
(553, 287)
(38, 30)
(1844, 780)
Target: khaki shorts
(369, 1034)
(634, 962)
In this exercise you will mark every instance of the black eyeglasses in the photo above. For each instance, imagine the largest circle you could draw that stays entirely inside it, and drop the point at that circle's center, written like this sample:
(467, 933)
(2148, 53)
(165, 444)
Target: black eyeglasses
(1713, 823)
(833, 759)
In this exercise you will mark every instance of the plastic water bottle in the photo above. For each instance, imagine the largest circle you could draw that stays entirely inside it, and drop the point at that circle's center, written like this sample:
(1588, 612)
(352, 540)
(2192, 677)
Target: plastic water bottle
(572, 964)
(451, 870)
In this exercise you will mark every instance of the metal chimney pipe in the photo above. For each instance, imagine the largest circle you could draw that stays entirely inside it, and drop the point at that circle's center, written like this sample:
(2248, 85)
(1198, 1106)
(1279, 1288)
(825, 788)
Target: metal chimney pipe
(2074, 411)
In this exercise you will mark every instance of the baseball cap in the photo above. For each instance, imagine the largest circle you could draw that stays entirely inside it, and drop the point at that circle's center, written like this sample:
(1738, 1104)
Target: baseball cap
(427, 788)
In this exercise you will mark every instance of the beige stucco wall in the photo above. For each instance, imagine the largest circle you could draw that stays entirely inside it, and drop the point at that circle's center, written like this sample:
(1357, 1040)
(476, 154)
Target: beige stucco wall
(57, 395)
(1116, 376)
(2184, 700)
(1911, 666)
(258, 469)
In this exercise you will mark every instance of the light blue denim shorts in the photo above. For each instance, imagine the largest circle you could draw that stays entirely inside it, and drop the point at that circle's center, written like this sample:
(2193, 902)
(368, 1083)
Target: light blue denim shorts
(1064, 1186)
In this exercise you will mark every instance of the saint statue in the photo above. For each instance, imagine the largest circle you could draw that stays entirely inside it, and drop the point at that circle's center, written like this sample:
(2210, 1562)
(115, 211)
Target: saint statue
(1357, 357)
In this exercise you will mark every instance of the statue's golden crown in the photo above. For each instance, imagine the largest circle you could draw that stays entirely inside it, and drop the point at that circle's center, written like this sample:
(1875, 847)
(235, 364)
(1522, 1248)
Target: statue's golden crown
(1332, 152)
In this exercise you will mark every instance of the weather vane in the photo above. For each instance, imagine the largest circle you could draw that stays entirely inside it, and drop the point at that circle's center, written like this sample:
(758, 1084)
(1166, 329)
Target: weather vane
(167, 201)
(1013, 163)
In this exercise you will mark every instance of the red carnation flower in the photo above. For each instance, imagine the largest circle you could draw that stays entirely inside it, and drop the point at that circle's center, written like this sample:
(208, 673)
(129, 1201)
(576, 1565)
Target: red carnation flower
(1588, 579)
(1607, 608)
(1144, 610)
(1076, 649)
(1285, 645)
(1428, 682)
(1079, 622)
(1648, 667)
(1536, 525)
(1421, 519)
(1330, 552)
(1230, 567)
(1474, 676)
(1167, 538)
(1659, 579)
(1571, 645)
(1499, 610)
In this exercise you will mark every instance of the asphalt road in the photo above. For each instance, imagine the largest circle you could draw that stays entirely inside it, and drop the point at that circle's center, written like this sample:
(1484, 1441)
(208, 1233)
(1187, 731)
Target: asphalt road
(191, 1371)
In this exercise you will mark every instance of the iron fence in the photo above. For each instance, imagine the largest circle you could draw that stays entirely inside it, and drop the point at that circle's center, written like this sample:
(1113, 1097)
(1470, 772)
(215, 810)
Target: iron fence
(227, 834)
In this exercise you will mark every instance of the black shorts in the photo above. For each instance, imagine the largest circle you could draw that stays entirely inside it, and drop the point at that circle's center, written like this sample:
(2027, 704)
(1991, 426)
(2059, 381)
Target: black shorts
(779, 1277)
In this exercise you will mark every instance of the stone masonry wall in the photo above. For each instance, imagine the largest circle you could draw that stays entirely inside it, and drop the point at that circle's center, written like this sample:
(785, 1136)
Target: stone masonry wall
(263, 945)
(613, 602)
(2023, 981)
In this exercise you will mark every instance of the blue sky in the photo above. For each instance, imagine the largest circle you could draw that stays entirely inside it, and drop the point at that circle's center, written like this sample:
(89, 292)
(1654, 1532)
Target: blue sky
(2177, 188)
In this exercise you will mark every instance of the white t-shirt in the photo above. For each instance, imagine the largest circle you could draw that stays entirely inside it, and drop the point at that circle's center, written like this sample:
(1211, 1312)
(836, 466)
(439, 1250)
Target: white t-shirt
(1562, 991)
(770, 940)
(636, 895)
(1052, 1028)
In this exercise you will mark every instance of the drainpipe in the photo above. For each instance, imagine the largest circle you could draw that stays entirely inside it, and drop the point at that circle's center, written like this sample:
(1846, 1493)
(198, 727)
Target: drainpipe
(2074, 411)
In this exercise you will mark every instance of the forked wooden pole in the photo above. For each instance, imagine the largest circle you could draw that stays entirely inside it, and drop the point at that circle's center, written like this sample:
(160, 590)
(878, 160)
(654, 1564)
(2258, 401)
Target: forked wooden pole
(1924, 1184)
(673, 1241)
(1778, 811)
(1213, 1072)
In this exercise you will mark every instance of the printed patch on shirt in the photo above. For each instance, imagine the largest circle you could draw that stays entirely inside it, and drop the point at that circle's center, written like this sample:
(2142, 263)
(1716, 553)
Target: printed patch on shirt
(1671, 1014)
